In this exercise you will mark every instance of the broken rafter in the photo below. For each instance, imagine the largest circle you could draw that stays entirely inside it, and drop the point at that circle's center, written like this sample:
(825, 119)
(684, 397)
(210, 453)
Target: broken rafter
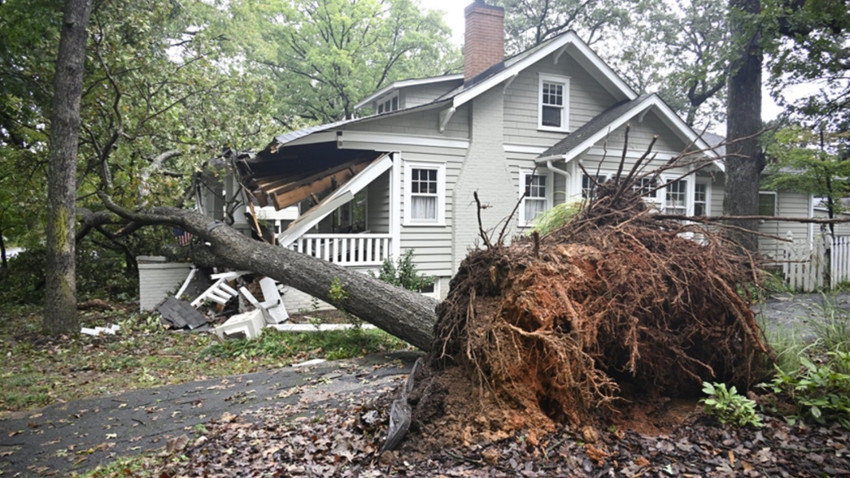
(284, 194)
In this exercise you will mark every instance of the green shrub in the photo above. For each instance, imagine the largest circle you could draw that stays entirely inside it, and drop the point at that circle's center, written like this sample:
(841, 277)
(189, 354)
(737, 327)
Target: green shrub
(820, 391)
(555, 217)
(403, 273)
(729, 406)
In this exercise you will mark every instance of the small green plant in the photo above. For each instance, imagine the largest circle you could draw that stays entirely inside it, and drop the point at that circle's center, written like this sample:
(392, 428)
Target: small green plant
(832, 328)
(338, 295)
(820, 391)
(555, 217)
(403, 273)
(729, 406)
(787, 344)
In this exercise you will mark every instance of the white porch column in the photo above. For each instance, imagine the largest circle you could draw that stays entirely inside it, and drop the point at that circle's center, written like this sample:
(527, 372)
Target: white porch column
(395, 206)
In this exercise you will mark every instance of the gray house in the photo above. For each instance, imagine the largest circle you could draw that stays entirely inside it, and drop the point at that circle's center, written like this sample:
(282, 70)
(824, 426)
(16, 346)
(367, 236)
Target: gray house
(402, 175)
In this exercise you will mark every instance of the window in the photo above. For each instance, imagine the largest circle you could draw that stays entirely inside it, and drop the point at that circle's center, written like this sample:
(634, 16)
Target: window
(767, 203)
(588, 187)
(388, 103)
(535, 201)
(700, 199)
(646, 187)
(553, 103)
(677, 198)
(425, 192)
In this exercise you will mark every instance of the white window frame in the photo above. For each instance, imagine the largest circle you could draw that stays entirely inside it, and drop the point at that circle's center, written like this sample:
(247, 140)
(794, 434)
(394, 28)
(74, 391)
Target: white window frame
(600, 177)
(775, 202)
(707, 184)
(564, 81)
(380, 107)
(440, 220)
(523, 174)
(687, 193)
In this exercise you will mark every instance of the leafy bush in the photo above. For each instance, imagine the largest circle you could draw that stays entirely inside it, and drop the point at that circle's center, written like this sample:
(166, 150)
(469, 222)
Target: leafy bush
(729, 406)
(403, 273)
(820, 391)
(555, 217)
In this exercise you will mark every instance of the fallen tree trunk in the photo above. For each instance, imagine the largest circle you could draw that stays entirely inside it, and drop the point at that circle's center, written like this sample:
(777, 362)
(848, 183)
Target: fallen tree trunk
(407, 315)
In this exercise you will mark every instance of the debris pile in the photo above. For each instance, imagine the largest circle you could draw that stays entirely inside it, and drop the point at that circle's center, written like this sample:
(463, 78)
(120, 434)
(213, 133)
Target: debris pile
(614, 307)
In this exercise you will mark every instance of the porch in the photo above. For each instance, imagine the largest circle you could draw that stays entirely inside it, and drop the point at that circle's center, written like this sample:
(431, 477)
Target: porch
(347, 250)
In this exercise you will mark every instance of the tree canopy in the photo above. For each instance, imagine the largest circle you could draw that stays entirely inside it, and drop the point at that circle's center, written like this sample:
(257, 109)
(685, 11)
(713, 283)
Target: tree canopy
(324, 56)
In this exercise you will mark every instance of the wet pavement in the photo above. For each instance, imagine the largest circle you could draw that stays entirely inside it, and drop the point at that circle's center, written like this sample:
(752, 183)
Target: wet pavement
(73, 437)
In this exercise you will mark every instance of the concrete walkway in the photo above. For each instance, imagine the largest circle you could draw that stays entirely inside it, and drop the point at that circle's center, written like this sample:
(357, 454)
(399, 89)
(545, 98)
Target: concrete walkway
(75, 437)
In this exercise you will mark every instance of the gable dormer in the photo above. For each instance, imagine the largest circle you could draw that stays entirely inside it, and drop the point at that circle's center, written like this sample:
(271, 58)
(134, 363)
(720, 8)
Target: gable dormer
(409, 94)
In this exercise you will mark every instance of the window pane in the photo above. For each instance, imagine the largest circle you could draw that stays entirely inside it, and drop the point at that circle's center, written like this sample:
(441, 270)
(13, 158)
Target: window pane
(767, 204)
(700, 199)
(423, 208)
(551, 116)
(588, 189)
(677, 198)
(553, 94)
(535, 186)
(532, 208)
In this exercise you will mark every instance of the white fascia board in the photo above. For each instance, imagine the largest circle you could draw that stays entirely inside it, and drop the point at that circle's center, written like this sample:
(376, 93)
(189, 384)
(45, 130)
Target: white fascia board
(667, 115)
(313, 138)
(674, 121)
(625, 117)
(589, 58)
(336, 199)
(569, 38)
(404, 84)
(402, 140)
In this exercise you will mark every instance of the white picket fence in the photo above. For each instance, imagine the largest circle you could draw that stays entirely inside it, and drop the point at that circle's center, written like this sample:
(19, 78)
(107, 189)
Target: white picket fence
(827, 263)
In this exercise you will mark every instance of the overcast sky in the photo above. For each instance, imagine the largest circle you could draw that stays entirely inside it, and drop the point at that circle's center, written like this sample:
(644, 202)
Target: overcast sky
(452, 15)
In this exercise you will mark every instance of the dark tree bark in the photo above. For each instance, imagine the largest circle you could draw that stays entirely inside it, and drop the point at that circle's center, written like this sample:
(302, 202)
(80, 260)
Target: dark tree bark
(60, 305)
(745, 159)
(3, 263)
(404, 314)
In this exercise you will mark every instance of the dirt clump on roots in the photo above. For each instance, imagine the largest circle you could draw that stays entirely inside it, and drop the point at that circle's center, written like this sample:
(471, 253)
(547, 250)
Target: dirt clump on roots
(615, 307)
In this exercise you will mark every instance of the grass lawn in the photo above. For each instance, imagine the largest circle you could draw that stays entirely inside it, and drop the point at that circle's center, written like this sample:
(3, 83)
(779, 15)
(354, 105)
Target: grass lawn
(39, 371)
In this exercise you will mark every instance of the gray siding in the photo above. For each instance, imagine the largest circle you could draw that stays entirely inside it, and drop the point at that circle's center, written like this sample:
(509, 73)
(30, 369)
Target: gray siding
(788, 204)
(433, 244)
(586, 100)
(418, 123)
(378, 204)
(641, 133)
(423, 94)
(159, 279)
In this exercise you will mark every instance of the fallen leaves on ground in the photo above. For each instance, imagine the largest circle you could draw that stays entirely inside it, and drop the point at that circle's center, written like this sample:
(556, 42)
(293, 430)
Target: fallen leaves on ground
(346, 442)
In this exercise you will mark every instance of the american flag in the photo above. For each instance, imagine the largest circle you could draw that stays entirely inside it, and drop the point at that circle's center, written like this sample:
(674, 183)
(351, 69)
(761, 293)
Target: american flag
(184, 238)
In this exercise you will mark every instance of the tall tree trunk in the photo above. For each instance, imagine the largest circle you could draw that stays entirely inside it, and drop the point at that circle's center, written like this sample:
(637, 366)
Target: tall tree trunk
(60, 305)
(404, 314)
(745, 159)
(3, 262)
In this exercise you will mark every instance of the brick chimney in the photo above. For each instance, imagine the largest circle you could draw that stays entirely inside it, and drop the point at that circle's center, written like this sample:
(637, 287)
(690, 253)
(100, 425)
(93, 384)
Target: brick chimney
(484, 38)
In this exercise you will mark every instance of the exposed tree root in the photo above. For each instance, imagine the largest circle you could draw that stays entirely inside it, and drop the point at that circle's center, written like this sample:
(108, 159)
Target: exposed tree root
(615, 306)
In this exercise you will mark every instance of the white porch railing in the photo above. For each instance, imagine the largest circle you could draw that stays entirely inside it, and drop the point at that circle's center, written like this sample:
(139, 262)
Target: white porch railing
(345, 249)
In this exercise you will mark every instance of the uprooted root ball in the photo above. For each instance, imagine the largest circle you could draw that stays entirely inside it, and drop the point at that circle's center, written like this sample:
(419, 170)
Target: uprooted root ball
(614, 305)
